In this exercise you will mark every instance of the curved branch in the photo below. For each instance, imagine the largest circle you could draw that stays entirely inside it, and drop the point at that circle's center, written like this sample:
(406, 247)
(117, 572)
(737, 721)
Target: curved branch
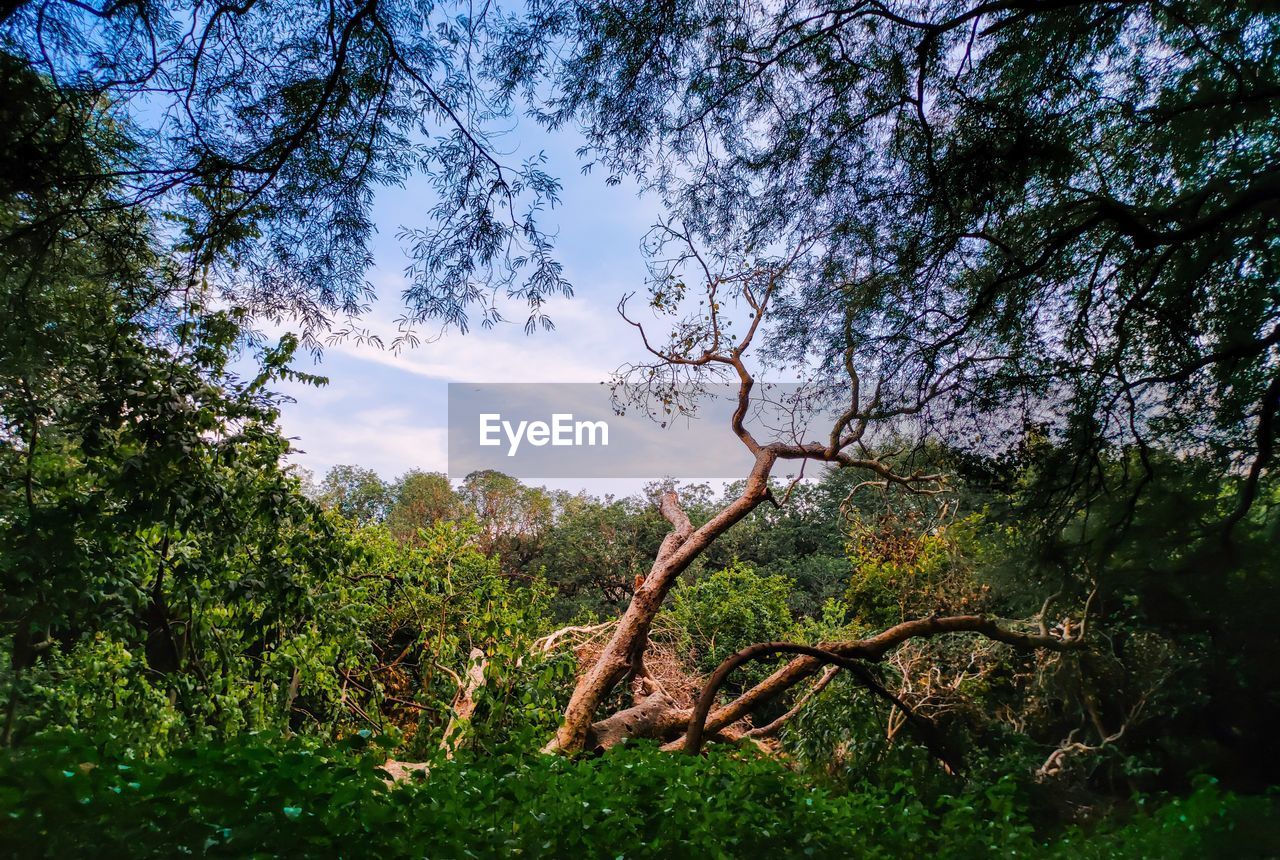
(697, 722)
(809, 695)
(547, 644)
(874, 648)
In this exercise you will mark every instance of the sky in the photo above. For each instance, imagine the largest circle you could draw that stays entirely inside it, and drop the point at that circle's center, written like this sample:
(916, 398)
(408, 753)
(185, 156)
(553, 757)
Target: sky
(387, 411)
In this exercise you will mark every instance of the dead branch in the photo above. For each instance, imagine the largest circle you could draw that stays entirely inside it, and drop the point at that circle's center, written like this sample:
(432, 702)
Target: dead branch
(403, 771)
(774, 727)
(464, 703)
(694, 734)
(933, 692)
(874, 648)
(1058, 761)
(573, 633)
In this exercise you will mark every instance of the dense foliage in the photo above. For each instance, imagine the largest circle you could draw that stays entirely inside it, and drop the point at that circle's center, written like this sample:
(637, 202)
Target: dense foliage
(295, 800)
(266, 129)
(1004, 210)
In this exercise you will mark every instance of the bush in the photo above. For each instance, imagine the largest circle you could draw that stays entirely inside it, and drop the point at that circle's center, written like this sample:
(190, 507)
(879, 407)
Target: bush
(1207, 823)
(297, 799)
(729, 610)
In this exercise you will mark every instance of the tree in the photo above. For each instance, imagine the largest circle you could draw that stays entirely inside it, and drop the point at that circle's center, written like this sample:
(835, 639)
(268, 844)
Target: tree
(147, 520)
(803, 540)
(729, 609)
(419, 500)
(701, 347)
(595, 550)
(973, 218)
(261, 132)
(356, 493)
(512, 517)
(1059, 213)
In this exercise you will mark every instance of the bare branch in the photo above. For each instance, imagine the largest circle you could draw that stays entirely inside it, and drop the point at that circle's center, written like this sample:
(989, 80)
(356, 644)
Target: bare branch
(874, 648)
(774, 727)
(697, 722)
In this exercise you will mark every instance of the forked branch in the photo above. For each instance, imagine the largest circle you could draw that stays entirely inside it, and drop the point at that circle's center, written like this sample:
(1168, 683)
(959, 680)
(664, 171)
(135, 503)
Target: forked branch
(693, 737)
(869, 650)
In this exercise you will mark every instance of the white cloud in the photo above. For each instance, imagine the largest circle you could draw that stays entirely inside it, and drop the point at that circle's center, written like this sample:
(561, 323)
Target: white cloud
(389, 441)
(471, 360)
(587, 345)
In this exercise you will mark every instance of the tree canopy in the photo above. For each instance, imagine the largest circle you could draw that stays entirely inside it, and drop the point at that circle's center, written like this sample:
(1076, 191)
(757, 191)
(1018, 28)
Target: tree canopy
(1010, 212)
(262, 132)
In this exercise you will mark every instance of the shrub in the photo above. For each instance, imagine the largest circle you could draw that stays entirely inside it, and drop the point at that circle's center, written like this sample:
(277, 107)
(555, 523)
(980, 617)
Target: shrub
(729, 610)
(256, 796)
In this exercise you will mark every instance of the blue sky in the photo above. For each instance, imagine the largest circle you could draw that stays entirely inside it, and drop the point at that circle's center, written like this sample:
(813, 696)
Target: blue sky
(387, 411)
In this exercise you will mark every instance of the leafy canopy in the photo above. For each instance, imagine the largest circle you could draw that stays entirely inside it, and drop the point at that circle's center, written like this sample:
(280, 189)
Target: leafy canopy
(1061, 213)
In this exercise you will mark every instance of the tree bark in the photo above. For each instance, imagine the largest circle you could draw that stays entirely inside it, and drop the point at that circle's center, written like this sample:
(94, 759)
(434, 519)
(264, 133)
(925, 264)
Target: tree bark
(464, 702)
(624, 653)
(654, 716)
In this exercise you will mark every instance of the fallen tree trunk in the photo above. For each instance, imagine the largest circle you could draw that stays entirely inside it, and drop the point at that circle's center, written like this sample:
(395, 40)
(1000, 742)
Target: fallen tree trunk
(654, 716)
(657, 716)
(623, 655)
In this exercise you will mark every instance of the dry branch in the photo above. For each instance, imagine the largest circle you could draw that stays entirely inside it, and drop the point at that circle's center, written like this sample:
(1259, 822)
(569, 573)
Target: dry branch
(697, 722)
(774, 727)
(464, 702)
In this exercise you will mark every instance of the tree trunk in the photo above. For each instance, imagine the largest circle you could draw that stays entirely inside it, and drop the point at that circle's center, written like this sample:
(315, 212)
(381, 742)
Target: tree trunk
(655, 716)
(624, 653)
